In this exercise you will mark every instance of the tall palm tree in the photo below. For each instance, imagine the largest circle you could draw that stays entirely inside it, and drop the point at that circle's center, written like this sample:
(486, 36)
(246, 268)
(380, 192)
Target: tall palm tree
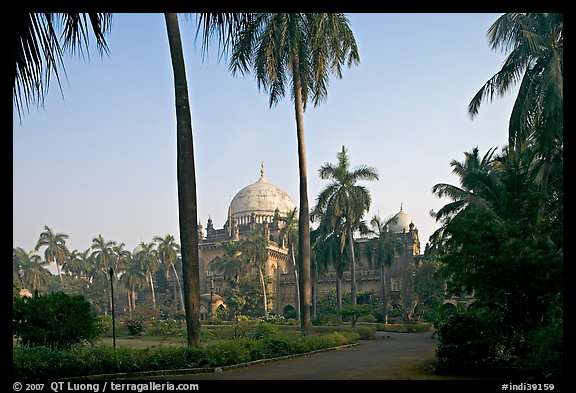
(346, 200)
(147, 256)
(381, 251)
(224, 25)
(299, 52)
(289, 233)
(241, 258)
(38, 52)
(105, 258)
(133, 278)
(56, 251)
(168, 253)
(535, 42)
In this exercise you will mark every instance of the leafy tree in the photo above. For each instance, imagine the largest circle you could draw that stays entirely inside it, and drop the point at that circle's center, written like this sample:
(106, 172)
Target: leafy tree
(354, 311)
(535, 43)
(496, 232)
(296, 51)
(55, 319)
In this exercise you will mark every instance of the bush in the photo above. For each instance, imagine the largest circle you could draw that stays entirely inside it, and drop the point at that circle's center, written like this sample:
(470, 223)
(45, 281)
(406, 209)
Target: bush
(55, 319)
(41, 363)
(135, 328)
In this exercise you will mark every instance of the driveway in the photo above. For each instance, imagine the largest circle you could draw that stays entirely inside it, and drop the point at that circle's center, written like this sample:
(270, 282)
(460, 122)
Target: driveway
(393, 356)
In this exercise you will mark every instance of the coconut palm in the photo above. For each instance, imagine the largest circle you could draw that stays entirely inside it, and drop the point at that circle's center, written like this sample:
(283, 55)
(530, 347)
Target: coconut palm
(168, 253)
(133, 278)
(30, 269)
(56, 251)
(535, 42)
(78, 263)
(297, 51)
(224, 25)
(40, 42)
(327, 251)
(381, 251)
(147, 256)
(241, 258)
(289, 233)
(346, 200)
(38, 52)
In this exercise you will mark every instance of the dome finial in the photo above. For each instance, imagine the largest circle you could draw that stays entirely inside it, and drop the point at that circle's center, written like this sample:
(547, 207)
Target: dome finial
(262, 170)
(400, 206)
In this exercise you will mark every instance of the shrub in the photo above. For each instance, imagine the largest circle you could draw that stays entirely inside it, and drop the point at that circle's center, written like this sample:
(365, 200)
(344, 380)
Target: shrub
(135, 328)
(55, 319)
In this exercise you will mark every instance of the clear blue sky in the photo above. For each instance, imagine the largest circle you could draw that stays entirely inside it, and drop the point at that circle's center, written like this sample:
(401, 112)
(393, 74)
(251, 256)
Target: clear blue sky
(100, 157)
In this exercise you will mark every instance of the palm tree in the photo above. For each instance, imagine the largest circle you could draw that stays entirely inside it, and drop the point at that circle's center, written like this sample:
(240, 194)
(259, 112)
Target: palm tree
(241, 258)
(225, 26)
(346, 201)
(30, 269)
(147, 256)
(326, 249)
(301, 51)
(38, 52)
(105, 258)
(168, 251)
(133, 278)
(56, 251)
(40, 41)
(289, 233)
(381, 251)
(535, 42)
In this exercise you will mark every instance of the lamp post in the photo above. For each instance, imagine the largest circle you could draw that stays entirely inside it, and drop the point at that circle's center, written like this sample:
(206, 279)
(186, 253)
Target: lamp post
(111, 272)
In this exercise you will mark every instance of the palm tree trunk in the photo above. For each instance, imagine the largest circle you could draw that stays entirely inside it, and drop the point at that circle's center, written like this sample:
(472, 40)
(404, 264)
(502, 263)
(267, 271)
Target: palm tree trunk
(152, 286)
(297, 286)
(179, 286)
(129, 304)
(264, 293)
(353, 289)
(383, 293)
(314, 289)
(59, 273)
(304, 214)
(186, 174)
(339, 290)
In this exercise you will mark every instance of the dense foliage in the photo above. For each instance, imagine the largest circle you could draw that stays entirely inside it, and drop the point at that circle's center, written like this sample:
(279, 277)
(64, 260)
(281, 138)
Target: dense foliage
(54, 320)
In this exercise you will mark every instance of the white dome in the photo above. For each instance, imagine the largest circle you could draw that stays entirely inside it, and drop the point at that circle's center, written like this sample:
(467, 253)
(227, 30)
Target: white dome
(261, 198)
(402, 223)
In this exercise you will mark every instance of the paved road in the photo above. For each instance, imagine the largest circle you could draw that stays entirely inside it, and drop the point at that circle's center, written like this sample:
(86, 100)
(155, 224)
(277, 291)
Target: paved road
(394, 356)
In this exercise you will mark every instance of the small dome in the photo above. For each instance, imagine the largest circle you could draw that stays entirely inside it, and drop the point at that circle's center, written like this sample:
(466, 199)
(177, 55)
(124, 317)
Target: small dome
(261, 198)
(402, 223)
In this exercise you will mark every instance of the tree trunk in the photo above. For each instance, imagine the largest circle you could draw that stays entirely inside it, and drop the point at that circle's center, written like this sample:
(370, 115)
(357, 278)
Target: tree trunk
(383, 293)
(152, 286)
(179, 286)
(339, 290)
(264, 293)
(353, 288)
(297, 286)
(304, 214)
(186, 174)
(59, 274)
(129, 304)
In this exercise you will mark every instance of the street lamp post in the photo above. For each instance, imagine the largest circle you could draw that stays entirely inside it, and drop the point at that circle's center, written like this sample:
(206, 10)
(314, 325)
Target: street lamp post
(111, 272)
